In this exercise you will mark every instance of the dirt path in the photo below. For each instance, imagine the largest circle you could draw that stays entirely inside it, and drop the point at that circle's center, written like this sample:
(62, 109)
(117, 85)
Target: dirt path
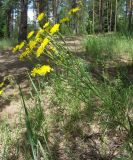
(10, 103)
(9, 64)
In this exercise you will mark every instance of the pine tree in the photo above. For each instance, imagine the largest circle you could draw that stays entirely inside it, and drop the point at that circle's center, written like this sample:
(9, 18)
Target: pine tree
(23, 20)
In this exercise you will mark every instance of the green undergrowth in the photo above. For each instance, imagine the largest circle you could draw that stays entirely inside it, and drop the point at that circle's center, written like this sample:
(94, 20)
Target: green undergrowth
(7, 43)
(79, 111)
(109, 46)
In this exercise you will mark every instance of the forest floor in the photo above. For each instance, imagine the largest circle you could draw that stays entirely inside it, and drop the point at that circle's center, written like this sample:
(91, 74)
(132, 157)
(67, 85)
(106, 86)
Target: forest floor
(10, 104)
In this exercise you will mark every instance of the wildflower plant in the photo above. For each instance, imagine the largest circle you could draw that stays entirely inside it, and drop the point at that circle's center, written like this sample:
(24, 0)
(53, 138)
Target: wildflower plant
(40, 16)
(71, 73)
(1, 86)
(44, 42)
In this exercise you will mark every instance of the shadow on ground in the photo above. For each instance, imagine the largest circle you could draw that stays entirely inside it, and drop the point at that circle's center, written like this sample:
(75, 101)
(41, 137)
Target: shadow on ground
(11, 66)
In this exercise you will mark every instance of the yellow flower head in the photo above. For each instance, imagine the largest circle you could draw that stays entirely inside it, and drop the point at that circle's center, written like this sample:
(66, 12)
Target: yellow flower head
(32, 44)
(74, 10)
(46, 25)
(40, 31)
(40, 16)
(66, 19)
(15, 49)
(24, 54)
(42, 47)
(1, 84)
(55, 28)
(1, 92)
(21, 45)
(39, 40)
(45, 42)
(41, 70)
(30, 34)
(39, 51)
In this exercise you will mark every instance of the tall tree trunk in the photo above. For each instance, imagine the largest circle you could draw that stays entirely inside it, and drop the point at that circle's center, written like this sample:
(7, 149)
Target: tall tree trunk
(110, 28)
(8, 23)
(130, 16)
(54, 10)
(35, 13)
(75, 29)
(1, 32)
(93, 18)
(107, 9)
(116, 3)
(11, 24)
(42, 8)
(126, 13)
(101, 12)
(55, 4)
(23, 20)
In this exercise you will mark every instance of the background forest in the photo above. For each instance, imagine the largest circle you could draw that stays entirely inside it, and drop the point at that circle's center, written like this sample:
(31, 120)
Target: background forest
(96, 16)
(66, 82)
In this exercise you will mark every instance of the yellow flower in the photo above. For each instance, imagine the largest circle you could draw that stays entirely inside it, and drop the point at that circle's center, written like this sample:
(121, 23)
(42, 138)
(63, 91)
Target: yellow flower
(30, 34)
(45, 42)
(40, 16)
(21, 45)
(32, 44)
(15, 49)
(46, 25)
(24, 54)
(41, 31)
(1, 92)
(66, 19)
(41, 70)
(39, 40)
(1, 84)
(55, 28)
(74, 10)
(42, 47)
(39, 51)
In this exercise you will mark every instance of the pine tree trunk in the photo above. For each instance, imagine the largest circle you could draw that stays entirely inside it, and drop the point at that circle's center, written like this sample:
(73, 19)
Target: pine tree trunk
(42, 8)
(93, 19)
(35, 13)
(74, 5)
(116, 3)
(55, 10)
(110, 16)
(130, 16)
(8, 23)
(101, 11)
(126, 14)
(107, 16)
(23, 20)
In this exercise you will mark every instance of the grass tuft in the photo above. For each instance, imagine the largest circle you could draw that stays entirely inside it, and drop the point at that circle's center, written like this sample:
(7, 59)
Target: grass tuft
(7, 44)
